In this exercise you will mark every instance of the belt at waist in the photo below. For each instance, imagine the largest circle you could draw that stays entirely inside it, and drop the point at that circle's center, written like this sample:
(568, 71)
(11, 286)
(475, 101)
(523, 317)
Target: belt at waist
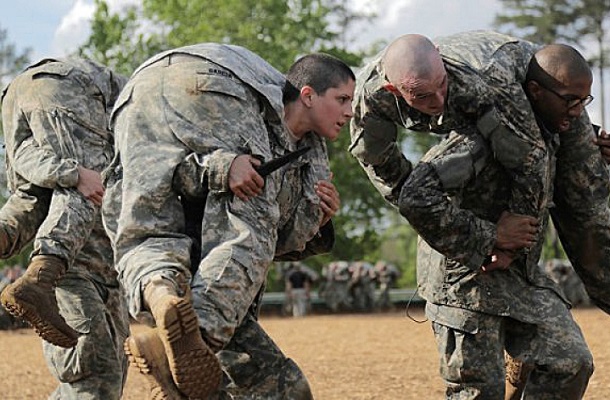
(176, 58)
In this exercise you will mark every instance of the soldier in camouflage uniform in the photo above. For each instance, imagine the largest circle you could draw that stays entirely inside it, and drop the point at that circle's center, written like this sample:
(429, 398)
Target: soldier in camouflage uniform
(477, 82)
(387, 275)
(456, 198)
(335, 289)
(474, 81)
(362, 286)
(476, 70)
(190, 126)
(55, 117)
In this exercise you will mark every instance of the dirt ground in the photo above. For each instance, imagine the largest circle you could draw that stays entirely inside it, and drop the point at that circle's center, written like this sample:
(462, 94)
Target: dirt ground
(346, 357)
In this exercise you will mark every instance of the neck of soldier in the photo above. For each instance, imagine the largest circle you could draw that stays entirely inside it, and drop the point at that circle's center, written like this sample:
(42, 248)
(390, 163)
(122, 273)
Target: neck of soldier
(295, 120)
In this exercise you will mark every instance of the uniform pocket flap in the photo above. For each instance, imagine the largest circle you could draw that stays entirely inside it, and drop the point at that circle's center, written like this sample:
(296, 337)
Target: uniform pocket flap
(455, 318)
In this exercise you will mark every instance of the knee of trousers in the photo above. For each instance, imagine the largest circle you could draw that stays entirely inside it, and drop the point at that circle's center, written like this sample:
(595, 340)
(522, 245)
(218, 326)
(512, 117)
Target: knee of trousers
(298, 388)
(579, 366)
(586, 366)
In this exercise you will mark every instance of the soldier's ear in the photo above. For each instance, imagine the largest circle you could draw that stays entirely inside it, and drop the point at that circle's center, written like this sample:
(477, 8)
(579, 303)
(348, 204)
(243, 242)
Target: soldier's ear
(533, 89)
(391, 88)
(306, 95)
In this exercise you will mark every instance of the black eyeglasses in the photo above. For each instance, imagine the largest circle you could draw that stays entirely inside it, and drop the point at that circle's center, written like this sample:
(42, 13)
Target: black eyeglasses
(570, 100)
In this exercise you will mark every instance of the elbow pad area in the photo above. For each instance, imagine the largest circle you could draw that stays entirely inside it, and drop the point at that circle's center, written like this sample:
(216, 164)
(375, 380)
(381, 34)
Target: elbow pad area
(374, 142)
(508, 148)
(462, 162)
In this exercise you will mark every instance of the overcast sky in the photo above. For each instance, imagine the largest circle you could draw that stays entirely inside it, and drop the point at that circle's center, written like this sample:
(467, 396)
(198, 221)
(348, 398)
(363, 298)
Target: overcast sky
(57, 27)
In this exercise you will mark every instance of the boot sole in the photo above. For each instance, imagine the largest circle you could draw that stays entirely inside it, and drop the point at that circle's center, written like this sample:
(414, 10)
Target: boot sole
(194, 366)
(43, 328)
(154, 366)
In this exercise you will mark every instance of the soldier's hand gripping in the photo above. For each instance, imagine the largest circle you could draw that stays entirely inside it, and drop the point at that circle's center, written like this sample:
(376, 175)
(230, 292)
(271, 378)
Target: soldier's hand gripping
(90, 185)
(330, 201)
(515, 232)
(244, 181)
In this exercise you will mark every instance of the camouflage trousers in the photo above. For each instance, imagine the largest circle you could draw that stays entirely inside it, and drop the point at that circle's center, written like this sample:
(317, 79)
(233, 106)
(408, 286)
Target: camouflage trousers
(60, 221)
(256, 369)
(96, 368)
(472, 354)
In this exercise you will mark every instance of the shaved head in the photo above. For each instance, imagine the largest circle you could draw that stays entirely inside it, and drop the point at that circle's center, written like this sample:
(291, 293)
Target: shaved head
(558, 64)
(415, 71)
(410, 57)
(558, 85)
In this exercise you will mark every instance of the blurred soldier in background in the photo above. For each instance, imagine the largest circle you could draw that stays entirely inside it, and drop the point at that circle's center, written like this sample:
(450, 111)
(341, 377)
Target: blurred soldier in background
(387, 275)
(298, 289)
(362, 286)
(8, 321)
(335, 287)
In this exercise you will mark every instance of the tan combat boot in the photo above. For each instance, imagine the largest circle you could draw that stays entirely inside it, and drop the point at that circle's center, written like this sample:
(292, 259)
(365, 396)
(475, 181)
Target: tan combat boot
(147, 353)
(517, 373)
(194, 366)
(32, 297)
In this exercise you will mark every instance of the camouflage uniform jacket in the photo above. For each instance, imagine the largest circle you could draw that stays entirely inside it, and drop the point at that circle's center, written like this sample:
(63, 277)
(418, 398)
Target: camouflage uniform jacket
(170, 144)
(453, 198)
(45, 114)
(485, 72)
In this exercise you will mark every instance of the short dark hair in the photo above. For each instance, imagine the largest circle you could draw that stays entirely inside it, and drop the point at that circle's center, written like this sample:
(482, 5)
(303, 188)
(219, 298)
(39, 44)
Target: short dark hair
(318, 70)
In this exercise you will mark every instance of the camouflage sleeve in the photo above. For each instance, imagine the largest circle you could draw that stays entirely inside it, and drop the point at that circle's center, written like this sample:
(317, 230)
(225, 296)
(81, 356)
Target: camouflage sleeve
(300, 230)
(426, 203)
(581, 214)
(199, 173)
(374, 143)
(44, 104)
(41, 165)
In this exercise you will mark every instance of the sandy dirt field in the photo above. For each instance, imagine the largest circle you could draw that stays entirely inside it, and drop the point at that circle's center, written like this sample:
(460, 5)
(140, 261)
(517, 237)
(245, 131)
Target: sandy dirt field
(346, 357)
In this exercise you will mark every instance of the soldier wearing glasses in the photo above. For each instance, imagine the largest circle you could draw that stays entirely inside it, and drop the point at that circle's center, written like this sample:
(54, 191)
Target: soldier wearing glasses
(472, 79)
(514, 307)
(474, 83)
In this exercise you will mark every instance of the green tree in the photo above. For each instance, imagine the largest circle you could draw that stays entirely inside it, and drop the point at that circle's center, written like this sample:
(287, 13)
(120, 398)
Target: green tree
(399, 247)
(11, 60)
(278, 30)
(119, 40)
(575, 22)
(541, 21)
